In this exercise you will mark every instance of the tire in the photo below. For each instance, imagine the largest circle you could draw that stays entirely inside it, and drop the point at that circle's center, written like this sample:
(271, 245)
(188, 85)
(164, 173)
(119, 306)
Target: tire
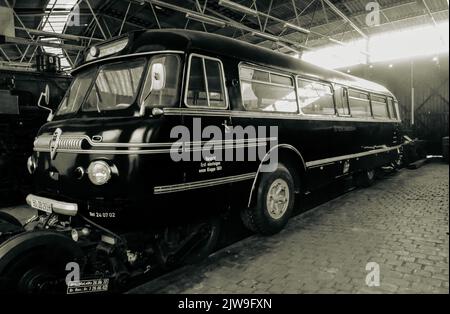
(267, 216)
(365, 178)
(36, 272)
(211, 233)
(208, 232)
(10, 219)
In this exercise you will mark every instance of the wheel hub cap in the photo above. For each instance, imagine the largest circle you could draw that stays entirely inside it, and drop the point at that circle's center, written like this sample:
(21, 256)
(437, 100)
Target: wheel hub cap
(278, 198)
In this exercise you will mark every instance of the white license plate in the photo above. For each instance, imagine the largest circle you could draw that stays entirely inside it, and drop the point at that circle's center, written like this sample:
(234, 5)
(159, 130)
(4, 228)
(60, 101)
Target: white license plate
(42, 205)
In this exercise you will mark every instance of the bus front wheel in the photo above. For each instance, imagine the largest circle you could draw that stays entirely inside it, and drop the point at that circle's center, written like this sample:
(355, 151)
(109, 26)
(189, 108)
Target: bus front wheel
(274, 202)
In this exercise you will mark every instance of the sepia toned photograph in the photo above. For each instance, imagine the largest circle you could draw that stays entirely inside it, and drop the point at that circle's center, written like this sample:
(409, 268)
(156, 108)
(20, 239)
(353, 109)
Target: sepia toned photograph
(224, 155)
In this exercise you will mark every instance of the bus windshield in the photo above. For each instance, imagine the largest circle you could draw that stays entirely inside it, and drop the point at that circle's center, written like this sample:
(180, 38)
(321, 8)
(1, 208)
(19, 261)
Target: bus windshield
(108, 87)
(115, 86)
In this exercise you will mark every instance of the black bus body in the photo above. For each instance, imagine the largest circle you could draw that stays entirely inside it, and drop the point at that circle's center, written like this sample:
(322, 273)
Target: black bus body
(110, 194)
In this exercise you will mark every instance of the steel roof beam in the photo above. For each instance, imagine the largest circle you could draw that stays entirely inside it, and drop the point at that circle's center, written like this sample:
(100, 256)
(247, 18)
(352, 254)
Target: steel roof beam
(345, 17)
(41, 43)
(229, 22)
(57, 35)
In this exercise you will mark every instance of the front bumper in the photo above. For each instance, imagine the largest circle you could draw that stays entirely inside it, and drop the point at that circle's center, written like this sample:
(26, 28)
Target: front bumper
(52, 206)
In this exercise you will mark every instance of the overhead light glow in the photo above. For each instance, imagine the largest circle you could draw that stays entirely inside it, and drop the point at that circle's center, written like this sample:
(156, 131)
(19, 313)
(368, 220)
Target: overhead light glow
(338, 56)
(410, 43)
(403, 44)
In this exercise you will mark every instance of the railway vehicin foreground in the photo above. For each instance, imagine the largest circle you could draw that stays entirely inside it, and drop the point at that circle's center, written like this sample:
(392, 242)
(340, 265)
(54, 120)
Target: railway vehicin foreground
(20, 119)
(110, 194)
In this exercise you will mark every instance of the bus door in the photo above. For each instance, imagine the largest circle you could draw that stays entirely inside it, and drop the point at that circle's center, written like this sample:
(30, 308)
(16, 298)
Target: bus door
(343, 129)
(207, 117)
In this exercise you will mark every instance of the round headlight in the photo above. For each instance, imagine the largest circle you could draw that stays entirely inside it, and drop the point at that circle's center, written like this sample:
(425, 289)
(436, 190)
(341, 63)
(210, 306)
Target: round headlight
(99, 172)
(94, 51)
(31, 164)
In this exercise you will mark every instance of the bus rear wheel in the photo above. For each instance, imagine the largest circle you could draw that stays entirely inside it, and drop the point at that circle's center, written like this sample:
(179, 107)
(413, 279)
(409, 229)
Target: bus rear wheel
(274, 203)
(365, 178)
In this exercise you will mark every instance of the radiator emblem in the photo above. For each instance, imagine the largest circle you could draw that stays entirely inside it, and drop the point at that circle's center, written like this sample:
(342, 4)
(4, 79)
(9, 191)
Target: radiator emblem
(55, 142)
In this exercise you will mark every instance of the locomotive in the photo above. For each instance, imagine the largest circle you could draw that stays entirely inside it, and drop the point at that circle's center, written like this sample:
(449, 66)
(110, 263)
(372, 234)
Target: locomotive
(21, 118)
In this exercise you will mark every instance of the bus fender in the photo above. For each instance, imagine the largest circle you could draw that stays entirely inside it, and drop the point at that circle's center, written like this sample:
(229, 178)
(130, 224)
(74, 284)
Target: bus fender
(287, 147)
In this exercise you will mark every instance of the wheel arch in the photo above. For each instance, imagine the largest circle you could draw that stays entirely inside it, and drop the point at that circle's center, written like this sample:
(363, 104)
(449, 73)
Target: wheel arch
(290, 157)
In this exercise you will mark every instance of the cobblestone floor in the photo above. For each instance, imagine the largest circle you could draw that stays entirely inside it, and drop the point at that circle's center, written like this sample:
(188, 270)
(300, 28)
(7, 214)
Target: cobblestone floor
(401, 223)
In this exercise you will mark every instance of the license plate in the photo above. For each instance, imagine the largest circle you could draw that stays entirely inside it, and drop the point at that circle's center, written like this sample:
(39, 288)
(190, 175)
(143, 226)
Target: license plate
(41, 205)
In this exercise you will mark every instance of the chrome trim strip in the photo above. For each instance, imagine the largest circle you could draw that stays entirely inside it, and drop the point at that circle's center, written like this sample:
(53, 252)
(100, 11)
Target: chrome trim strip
(201, 184)
(43, 142)
(267, 115)
(321, 162)
(150, 151)
(46, 141)
(58, 207)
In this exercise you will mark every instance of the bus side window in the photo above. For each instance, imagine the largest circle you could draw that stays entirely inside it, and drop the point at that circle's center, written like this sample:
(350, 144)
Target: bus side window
(206, 86)
(341, 100)
(359, 104)
(315, 97)
(266, 91)
(215, 84)
(162, 81)
(392, 111)
(379, 107)
(196, 95)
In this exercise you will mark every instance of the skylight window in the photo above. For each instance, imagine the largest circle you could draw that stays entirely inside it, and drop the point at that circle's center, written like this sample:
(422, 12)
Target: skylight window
(58, 12)
(403, 44)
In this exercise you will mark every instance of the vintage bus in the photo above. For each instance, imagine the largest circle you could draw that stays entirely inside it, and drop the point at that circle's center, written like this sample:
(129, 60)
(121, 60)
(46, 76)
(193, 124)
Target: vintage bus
(109, 191)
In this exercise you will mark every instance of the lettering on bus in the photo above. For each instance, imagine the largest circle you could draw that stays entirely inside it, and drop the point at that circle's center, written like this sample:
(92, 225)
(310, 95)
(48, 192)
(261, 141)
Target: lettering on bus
(210, 145)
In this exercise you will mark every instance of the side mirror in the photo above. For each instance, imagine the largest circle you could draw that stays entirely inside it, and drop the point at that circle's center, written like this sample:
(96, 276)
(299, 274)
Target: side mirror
(158, 76)
(157, 82)
(46, 95)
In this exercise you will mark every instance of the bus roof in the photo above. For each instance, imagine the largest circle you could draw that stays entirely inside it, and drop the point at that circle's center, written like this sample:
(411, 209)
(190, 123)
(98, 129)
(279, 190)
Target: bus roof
(214, 44)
